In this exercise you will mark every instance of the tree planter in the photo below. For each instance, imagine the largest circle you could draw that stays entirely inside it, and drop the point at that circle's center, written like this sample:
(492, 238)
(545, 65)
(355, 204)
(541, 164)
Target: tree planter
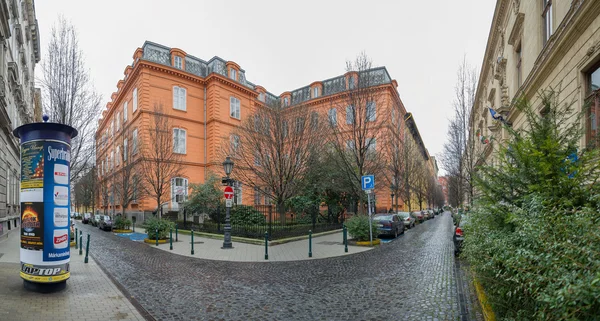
(149, 241)
(122, 231)
(73, 244)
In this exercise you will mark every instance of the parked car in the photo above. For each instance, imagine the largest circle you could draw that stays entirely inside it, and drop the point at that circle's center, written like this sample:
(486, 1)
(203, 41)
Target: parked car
(425, 215)
(105, 223)
(72, 234)
(96, 220)
(458, 236)
(431, 213)
(87, 217)
(419, 217)
(408, 220)
(388, 224)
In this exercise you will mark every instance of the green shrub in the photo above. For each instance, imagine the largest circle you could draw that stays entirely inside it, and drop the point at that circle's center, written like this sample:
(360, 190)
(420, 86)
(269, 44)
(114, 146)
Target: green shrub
(358, 227)
(246, 215)
(532, 239)
(122, 223)
(163, 227)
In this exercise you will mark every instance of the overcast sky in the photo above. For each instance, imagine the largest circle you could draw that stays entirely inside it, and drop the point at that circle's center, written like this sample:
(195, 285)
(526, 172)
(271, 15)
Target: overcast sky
(284, 45)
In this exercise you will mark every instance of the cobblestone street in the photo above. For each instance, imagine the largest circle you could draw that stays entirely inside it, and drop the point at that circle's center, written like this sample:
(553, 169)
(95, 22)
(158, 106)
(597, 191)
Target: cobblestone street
(411, 278)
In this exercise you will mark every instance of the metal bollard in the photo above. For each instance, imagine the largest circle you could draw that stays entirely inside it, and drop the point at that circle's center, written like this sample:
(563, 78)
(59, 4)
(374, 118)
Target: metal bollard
(87, 250)
(80, 242)
(133, 226)
(192, 242)
(176, 234)
(345, 239)
(76, 238)
(309, 243)
(171, 239)
(266, 246)
(157, 237)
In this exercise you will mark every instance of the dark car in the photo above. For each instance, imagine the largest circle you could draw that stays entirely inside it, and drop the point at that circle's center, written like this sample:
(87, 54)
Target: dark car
(408, 220)
(86, 218)
(388, 224)
(458, 236)
(105, 223)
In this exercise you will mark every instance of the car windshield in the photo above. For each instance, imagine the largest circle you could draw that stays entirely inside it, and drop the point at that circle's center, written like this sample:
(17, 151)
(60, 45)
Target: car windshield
(107, 218)
(403, 214)
(383, 218)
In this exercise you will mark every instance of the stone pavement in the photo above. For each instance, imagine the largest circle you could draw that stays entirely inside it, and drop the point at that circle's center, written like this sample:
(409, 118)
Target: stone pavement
(90, 295)
(412, 278)
(322, 247)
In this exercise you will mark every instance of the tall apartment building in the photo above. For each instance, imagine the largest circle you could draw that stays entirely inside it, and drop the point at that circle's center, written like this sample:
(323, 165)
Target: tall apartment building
(205, 101)
(19, 52)
(533, 46)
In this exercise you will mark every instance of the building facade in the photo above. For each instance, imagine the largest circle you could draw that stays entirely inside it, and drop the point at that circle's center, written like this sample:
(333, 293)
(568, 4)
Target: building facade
(206, 101)
(19, 53)
(535, 46)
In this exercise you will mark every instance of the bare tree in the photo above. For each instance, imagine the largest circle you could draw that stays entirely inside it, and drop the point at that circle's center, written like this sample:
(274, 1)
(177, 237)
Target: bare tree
(355, 138)
(458, 158)
(85, 189)
(68, 94)
(272, 149)
(126, 181)
(410, 158)
(392, 151)
(104, 188)
(159, 161)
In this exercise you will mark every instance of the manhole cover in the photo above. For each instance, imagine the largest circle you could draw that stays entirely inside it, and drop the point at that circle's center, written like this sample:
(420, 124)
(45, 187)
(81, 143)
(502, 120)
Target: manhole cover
(329, 243)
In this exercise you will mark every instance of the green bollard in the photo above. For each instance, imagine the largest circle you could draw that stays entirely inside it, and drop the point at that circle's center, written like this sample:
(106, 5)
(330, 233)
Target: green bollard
(345, 239)
(309, 243)
(80, 243)
(266, 246)
(133, 226)
(87, 250)
(176, 233)
(171, 239)
(156, 237)
(76, 238)
(192, 242)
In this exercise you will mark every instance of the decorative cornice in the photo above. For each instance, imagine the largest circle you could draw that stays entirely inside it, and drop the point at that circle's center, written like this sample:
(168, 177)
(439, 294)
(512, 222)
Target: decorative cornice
(515, 33)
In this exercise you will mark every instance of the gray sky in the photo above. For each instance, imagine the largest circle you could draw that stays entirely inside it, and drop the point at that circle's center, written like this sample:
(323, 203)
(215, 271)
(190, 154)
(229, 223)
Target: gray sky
(284, 45)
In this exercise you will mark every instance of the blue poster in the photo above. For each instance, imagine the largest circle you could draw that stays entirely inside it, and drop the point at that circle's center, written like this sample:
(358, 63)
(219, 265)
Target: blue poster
(57, 156)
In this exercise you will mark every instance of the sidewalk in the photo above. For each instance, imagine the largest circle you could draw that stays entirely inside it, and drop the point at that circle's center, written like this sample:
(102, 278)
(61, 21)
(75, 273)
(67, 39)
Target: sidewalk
(90, 295)
(322, 247)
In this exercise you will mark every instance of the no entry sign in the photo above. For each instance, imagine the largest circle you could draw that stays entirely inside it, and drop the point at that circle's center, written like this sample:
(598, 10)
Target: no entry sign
(228, 192)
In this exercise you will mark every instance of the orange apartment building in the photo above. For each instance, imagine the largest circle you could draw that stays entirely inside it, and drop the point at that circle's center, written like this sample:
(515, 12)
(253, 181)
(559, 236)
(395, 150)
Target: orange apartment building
(205, 101)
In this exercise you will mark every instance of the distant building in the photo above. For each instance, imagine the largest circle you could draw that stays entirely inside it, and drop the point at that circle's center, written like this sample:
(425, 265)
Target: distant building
(443, 180)
(19, 52)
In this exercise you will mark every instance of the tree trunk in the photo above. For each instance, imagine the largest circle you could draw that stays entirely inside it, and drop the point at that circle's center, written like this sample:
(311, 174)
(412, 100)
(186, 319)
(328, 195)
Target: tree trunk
(281, 211)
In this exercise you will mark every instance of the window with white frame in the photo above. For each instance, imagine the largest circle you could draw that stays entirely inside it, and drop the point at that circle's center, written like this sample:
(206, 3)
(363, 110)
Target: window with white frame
(286, 101)
(393, 115)
(371, 111)
(125, 149)
(179, 189)
(112, 159)
(547, 15)
(118, 159)
(235, 142)
(256, 196)
(285, 128)
(125, 112)
(233, 74)
(350, 144)
(118, 120)
(350, 115)
(332, 116)
(179, 97)
(261, 97)
(351, 82)
(135, 141)
(112, 127)
(179, 141)
(178, 62)
(234, 107)
(134, 193)
(237, 192)
(371, 145)
(315, 92)
(135, 100)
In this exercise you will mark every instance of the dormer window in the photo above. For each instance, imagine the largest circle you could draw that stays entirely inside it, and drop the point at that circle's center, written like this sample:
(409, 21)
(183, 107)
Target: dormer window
(261, 97)
(315, 92)
(286, 101)
(233, 74)
(351, 82)
(178, 62)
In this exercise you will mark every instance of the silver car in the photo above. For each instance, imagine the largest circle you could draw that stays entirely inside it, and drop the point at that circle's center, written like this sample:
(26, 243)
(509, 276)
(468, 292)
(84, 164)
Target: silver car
(409, 220)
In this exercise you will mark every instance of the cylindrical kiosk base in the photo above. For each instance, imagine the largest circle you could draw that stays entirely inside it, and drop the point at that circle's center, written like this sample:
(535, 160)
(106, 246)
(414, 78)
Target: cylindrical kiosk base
(45, 287)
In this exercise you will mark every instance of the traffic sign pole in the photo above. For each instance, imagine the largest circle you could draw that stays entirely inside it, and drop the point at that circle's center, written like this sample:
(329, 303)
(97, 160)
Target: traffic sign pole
(370, 221)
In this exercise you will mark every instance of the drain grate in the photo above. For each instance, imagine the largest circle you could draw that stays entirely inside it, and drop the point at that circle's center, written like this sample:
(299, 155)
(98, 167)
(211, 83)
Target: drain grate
(330, 243)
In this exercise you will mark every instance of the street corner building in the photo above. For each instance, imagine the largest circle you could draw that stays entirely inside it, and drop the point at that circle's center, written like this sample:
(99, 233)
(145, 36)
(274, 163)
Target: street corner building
(20, 101)
(201, 104)
(534, 46)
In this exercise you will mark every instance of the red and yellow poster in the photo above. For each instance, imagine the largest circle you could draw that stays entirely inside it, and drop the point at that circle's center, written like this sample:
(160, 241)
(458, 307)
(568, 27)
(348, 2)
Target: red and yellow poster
(32, 226)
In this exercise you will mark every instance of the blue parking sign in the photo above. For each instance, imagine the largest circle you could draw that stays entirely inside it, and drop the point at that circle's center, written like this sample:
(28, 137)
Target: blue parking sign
(368, 182)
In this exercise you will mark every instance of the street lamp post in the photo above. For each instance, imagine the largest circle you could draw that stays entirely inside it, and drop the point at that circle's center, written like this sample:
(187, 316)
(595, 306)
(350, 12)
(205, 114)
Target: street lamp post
(392, 189)
(228, 166)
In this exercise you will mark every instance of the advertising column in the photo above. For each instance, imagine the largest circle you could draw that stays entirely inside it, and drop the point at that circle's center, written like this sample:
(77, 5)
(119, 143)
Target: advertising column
(45, 204)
